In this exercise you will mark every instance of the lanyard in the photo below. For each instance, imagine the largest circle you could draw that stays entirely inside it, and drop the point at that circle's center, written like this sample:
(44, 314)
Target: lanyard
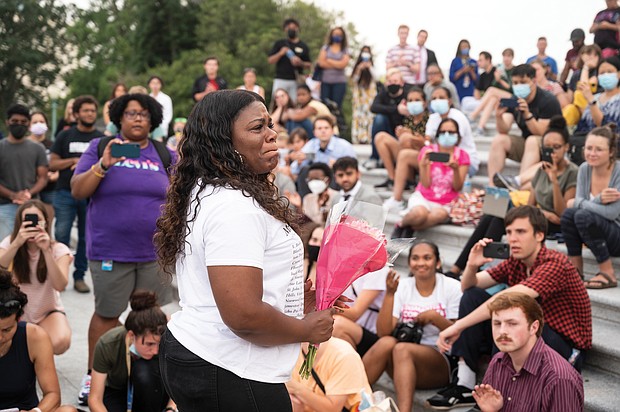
(129, 384)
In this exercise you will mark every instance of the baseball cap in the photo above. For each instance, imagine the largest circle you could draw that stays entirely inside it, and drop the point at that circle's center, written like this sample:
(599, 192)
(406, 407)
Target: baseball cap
(577, 34)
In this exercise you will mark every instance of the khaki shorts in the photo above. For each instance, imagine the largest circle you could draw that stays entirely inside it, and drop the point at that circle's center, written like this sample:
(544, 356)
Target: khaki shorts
(113, 288)
(517, 146)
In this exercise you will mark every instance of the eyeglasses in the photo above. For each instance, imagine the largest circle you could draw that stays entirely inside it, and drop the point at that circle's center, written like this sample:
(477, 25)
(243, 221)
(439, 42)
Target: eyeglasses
(10, 304)
(433, 73)
(132, 115)
(555, 147)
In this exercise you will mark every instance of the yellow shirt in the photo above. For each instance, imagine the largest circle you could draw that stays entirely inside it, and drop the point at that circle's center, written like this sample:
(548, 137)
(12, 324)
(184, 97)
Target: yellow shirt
(341, 370)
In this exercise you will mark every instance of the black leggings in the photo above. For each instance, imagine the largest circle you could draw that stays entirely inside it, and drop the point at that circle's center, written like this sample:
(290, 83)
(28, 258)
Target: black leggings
(149, 394)
(198, 386)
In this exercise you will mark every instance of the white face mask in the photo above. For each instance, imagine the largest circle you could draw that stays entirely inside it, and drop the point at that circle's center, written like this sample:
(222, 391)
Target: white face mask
(38, 129)
(317, 186)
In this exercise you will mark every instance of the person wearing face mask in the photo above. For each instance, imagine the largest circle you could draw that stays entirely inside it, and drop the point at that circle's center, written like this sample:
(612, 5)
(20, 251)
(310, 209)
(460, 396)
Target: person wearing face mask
(23, 167)
(440, 181)
(291, 57)
(333, 59)
(126, 367)
(407, 163)
(534, 109)
(408, 136)
(364, 80)
(39, 126)
(319, 201)
(388, 111)
(436, 79)
(464, 70)
(602, 107)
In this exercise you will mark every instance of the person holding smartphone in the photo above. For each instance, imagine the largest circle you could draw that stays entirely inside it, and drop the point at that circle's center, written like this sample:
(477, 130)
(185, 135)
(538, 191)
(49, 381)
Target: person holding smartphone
(41, 267)
(125, 199)
(443, 167)
(553, 186)
(544, 274)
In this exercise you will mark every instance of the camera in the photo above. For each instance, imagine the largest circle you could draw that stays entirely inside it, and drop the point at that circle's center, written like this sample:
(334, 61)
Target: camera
(408, 332)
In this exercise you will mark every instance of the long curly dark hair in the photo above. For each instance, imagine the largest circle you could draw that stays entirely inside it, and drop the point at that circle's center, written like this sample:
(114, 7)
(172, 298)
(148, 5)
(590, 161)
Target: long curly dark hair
(118, 106)
(207, 158)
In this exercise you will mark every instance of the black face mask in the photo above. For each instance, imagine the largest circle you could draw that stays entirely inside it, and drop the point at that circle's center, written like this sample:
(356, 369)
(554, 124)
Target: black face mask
(393, 88)
(18, 130)
(292, 33)
(313, 253)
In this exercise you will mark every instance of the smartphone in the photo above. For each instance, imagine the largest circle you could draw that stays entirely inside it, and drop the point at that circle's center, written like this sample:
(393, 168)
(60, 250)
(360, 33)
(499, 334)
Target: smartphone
(33, 218)
(128, 150)
(439, 157)
(545, 154)
(510, 103)
(496, 250)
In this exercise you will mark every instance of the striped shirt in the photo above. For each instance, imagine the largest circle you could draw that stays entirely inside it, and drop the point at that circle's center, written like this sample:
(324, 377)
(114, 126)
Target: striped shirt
(407, 55)
(547, 382)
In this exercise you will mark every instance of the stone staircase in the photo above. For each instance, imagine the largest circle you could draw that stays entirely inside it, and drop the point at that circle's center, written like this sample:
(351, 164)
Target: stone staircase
(601, 373)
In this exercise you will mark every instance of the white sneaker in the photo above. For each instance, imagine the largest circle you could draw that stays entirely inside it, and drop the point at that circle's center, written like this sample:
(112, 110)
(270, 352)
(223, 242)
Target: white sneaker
(84, 390)
(393, 205)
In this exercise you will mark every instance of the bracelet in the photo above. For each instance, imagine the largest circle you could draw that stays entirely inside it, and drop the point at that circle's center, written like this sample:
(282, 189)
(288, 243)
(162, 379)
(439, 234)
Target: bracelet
(105, 169)
(170, 408)
(96, 173)
(37, 409)
(529, 118)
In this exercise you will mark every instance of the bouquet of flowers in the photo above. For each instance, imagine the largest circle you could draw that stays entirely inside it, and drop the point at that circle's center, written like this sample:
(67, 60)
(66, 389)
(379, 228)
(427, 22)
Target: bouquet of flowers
(353, 245)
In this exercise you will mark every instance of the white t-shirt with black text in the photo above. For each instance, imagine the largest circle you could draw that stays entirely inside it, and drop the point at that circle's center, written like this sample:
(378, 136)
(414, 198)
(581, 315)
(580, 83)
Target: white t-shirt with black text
(445, 299)
(231, 229)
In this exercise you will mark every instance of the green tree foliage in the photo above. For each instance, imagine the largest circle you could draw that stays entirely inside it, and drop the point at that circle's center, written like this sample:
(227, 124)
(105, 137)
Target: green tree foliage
(33, 49)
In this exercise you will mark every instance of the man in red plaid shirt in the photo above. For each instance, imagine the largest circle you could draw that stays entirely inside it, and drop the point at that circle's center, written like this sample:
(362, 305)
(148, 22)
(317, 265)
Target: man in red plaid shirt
(546, 275)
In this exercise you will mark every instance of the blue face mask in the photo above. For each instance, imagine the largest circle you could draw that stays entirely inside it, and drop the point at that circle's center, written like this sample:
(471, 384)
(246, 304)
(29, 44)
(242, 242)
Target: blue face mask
(336, 39)
(521, 90)
(440, 106)
(464, 52)
(447, 139)
(415, 108)
(608, 81)
(133, 350)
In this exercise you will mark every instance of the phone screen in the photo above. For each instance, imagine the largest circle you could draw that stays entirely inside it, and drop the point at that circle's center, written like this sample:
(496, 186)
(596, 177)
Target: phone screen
(510, 103)
(128, 150)
(439, 157)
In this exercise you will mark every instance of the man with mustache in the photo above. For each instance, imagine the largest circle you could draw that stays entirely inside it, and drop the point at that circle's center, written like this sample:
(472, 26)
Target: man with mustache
(543, 274)
(527, 374)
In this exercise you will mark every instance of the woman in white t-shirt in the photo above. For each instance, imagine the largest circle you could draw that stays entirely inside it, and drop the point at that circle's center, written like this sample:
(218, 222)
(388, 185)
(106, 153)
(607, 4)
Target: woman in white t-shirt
(41, 267)
(430, 300)
(239, 264)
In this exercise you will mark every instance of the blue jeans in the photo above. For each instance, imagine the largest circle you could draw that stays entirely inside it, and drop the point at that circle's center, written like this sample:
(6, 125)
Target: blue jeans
(381, 123)
(7, 219)
(196, 385)
(304, 124)
(67, 208)
(601, 235)
(334, 92)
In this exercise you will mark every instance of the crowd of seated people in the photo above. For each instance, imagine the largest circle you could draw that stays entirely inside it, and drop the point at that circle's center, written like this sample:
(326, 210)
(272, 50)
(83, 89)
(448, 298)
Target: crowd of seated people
(423, 128)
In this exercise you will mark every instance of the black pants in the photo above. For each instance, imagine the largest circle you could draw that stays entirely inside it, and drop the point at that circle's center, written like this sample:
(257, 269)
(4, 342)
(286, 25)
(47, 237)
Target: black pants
(149, 394)
(199, 386)
(477, 340)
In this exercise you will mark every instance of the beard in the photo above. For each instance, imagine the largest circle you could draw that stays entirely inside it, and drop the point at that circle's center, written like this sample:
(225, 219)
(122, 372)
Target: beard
(87, 124)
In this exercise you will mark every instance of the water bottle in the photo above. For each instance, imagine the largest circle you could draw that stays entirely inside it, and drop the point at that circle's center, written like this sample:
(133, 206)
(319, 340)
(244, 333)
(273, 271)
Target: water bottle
(467, 185)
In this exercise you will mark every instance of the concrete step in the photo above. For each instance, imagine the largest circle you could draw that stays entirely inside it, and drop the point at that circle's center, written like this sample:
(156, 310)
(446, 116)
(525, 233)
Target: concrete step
(605, 353)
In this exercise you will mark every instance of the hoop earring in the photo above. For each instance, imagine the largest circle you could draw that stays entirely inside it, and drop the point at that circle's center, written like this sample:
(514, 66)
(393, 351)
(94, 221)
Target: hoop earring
(240, 157)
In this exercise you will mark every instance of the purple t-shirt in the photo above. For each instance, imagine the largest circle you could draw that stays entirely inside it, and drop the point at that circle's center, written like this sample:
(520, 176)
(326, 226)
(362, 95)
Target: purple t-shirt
(123, 210)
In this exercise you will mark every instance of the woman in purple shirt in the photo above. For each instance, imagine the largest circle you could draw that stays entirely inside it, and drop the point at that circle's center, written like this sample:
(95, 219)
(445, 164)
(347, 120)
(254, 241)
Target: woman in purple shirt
(333, 59)
(126, 194)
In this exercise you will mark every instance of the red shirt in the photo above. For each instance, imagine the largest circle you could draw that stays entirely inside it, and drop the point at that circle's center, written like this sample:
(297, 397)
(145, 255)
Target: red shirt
(546, 382)
(564, 299)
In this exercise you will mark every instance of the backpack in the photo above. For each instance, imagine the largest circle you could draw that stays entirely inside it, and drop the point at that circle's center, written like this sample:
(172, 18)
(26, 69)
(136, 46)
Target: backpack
(577, 142)
(162, 151)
